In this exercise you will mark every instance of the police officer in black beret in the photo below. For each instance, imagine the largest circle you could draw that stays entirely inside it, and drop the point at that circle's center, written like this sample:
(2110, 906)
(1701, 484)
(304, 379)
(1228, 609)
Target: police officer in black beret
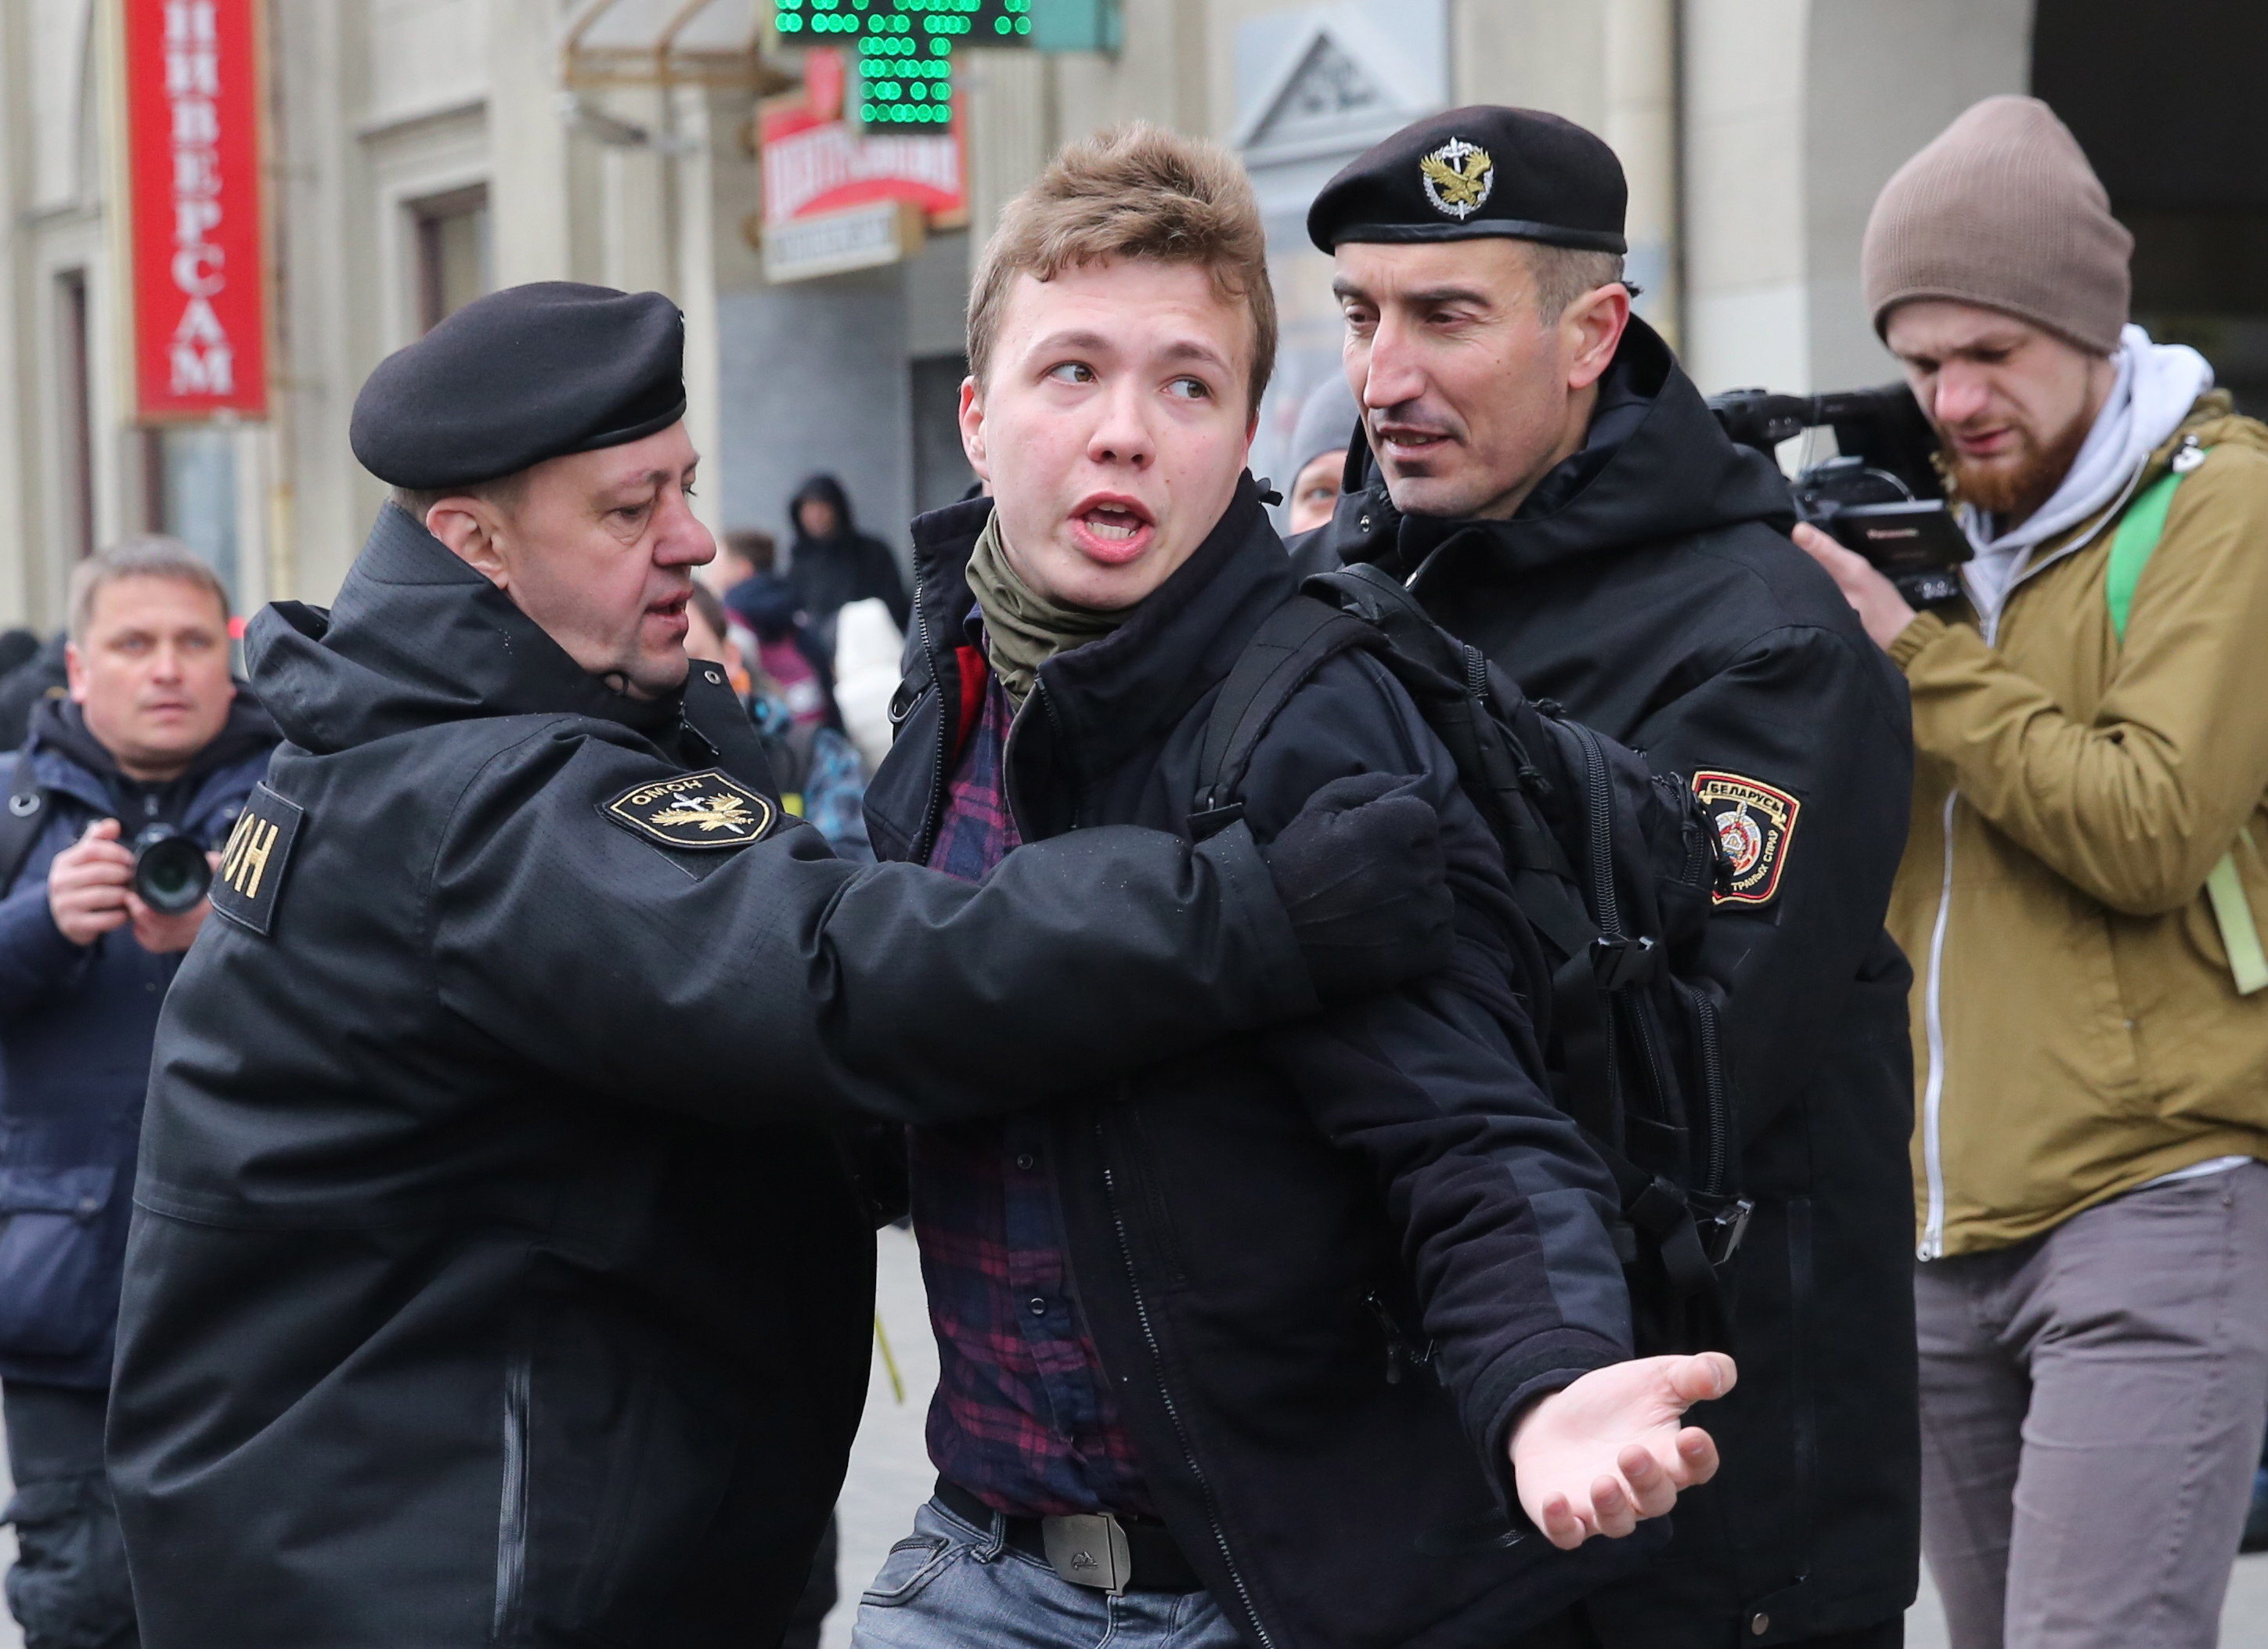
(1532, 459)
(498, 1276)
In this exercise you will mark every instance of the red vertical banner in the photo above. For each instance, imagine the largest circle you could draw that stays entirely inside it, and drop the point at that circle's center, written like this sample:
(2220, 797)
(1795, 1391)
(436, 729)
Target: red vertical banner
(198, 232)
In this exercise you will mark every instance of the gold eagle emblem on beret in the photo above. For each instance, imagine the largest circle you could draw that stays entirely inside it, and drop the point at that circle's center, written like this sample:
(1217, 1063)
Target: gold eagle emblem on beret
(1457, 178)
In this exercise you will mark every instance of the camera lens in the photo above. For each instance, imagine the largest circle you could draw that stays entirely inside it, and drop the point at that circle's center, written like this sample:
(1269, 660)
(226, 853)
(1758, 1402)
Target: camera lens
(170, 872)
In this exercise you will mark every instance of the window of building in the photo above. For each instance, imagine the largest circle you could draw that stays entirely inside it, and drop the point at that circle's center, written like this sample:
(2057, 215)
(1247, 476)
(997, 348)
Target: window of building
(77, 412)
(941, 472)
(190, 492)
(2179, 139)
(453, 252)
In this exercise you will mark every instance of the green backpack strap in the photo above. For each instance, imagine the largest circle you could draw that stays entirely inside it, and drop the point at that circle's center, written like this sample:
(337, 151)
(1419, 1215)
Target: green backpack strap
(2137, 534)
(2131, 549)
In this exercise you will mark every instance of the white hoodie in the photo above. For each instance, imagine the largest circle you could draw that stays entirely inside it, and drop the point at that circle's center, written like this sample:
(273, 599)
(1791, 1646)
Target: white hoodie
(2157, 384)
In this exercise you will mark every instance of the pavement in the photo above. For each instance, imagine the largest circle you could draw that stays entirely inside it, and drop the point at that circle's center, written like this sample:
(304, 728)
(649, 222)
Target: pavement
(890, 1477)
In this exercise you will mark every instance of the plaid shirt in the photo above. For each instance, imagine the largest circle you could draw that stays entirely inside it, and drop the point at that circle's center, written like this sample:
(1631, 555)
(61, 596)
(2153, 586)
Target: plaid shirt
(1024, 1417)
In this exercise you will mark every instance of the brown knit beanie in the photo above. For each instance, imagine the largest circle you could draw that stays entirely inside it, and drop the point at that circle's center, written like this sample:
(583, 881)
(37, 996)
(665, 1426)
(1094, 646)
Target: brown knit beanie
(2002, 209)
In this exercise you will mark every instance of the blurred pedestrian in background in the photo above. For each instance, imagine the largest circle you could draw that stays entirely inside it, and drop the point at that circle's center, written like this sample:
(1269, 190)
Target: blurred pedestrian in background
(153, 735)
(39, 674)
(832, 563)
(819, 777)
(765, 604)
(1328, 418)
(2081, 896)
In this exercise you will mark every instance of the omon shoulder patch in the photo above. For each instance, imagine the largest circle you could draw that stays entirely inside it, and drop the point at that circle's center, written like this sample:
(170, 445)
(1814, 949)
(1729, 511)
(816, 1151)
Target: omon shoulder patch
(251, 874)
(1753, 821)
(707, 809)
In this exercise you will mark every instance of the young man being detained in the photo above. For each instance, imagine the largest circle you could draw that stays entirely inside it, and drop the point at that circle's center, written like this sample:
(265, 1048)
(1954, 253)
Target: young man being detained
(1317, 1338)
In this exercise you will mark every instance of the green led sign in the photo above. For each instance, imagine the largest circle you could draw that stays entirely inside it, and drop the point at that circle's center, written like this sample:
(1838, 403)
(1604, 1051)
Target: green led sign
(904, 49)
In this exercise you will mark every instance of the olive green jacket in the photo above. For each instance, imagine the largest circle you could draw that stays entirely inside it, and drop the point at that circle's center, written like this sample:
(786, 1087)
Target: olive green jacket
(2077, 1028)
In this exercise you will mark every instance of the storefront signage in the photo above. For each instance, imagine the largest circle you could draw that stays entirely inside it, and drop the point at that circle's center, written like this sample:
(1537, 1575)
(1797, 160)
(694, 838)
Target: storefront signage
(836, 199)
(198, 226)
(834, 243)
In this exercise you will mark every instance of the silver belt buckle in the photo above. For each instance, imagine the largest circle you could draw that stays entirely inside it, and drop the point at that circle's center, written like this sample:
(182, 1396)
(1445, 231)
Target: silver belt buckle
(1088, 1551)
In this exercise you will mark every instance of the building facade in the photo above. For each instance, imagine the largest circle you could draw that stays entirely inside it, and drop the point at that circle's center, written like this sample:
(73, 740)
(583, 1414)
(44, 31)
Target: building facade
(421, 152)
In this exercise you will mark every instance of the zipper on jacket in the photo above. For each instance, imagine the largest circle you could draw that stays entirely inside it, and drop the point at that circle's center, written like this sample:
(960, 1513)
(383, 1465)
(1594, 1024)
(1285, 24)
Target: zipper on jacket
(1715, 1174)
(1933, 1092)
(1932, 1246)
(947, 725)
(1166, 1392)
(511, 1513)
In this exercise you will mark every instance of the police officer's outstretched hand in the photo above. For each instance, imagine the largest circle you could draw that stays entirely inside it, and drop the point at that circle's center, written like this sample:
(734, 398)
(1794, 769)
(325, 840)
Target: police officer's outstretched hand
(1361, 875)
(1600, 1455)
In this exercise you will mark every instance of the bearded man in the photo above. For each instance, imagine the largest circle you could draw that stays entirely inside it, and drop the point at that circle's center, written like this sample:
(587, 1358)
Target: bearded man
(2079, 897)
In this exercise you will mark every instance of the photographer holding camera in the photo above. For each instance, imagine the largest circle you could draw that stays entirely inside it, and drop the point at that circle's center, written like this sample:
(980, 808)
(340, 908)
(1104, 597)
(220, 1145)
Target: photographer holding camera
(120, 792)
(2080, 897)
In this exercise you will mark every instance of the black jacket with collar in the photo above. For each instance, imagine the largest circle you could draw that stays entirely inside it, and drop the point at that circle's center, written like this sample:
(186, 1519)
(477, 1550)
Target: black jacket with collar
(495, 1275)
(1649, 587)
(1262, 1234)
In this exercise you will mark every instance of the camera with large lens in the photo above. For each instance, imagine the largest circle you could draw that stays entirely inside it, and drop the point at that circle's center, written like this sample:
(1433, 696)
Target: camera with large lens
(171, 871)
(1880, 494)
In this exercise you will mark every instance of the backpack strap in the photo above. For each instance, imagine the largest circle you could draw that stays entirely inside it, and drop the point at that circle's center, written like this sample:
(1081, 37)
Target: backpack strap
(2140, 529)
(1288, 648)
(2133, 544)
(21, 819)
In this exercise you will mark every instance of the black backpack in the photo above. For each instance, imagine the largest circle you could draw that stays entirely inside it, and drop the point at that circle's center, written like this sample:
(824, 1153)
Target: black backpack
(1613, 864)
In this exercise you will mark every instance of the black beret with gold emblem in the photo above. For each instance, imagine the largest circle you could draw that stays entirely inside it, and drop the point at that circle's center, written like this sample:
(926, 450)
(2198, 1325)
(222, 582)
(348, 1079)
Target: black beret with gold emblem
(521, 375)
(1475, 172)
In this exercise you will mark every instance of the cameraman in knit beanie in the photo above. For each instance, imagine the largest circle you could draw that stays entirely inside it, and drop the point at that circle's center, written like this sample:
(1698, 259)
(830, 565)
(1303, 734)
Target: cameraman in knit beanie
(2080, 899)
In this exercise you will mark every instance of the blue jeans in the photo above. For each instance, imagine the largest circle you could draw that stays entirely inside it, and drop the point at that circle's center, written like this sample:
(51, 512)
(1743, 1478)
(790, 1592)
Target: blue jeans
(950, 1583)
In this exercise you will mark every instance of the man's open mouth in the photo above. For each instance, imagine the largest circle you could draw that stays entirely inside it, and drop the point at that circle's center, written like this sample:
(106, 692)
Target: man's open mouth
(1112, 528)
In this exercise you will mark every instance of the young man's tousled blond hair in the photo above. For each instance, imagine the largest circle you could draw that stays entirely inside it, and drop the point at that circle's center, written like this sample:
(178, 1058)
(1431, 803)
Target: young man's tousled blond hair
(1135, 191)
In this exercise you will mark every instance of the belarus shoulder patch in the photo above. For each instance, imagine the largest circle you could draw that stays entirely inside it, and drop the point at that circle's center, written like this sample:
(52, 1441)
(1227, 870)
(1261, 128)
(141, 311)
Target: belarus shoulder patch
(251, 874)
(1754, 822)
(707, 809)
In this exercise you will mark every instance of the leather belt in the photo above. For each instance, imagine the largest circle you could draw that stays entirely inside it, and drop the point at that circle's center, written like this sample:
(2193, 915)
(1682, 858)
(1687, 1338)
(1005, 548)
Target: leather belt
(1108, 1552)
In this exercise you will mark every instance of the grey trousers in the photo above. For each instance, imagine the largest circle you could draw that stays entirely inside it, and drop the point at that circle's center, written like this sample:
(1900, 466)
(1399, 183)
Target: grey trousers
(2092, 1403)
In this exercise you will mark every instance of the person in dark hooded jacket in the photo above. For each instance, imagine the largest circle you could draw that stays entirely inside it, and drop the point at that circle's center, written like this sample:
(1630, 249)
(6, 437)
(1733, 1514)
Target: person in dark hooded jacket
(832, 563)
(151, 734)
(1537, 466)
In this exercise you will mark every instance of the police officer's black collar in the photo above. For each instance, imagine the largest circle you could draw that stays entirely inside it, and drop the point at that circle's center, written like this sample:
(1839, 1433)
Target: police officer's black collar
(418, 636)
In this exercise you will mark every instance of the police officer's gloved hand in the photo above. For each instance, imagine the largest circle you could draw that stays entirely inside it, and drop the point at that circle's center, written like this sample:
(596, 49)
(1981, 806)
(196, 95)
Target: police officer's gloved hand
(1360, 873)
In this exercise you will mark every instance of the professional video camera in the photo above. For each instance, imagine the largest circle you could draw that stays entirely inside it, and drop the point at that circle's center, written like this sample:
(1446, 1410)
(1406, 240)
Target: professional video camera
(1880, 494)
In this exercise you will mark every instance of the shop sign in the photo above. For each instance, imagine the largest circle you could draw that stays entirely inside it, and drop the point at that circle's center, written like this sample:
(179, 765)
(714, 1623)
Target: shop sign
(835, 243)
(197, 228)
(816, 164)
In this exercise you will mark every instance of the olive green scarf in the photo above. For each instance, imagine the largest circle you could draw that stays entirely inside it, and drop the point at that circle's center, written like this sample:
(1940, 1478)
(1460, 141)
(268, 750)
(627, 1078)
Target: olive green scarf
(1023, 628)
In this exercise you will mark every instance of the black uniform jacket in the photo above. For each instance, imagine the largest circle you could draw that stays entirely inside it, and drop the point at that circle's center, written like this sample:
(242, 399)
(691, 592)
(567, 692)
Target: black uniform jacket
(1649, 587)
(495, 1278)
(1268, 1238)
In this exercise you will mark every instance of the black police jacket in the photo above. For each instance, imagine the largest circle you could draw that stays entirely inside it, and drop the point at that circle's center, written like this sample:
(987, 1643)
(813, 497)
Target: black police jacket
(495, 1276)
(1649, 587)
(1326, 1267)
